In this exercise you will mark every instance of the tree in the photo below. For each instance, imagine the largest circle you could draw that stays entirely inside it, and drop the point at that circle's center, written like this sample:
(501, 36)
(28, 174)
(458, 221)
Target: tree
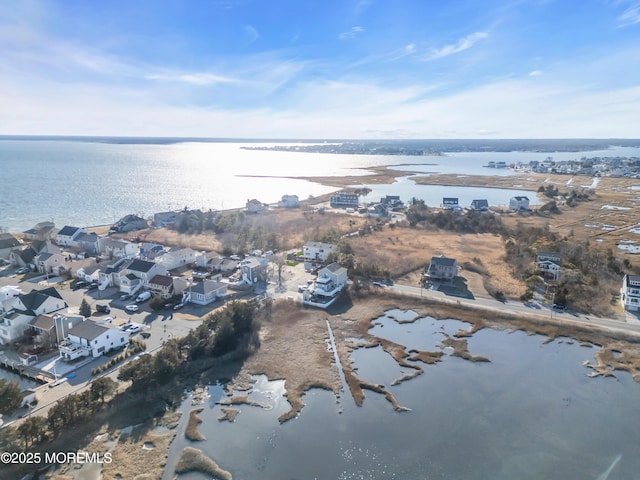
(103, 387)
(85, 308)
(32, 430)
(10, 396)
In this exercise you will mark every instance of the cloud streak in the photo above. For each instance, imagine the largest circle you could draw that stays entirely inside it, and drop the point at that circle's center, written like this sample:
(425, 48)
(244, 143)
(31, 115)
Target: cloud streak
(631, 15)
(349, 34)
(460, 46)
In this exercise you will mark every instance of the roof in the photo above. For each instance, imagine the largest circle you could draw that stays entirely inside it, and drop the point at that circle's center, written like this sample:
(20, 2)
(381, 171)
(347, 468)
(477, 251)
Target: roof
(87, 237)
(633, 278)
(319, 245)
(43, 257)
(207, 286)
(91, 269)
(43, 322)
(443, 261)
(68, 231)
(335, 267)
(141, 266)
(481, 201)
(88, 330)
(164, 280)
(520, 198)
(35, 298)
(27, 254)
(8, 241)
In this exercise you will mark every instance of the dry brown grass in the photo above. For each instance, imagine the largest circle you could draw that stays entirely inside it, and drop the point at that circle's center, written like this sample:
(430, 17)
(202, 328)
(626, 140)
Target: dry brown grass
(228, 415)
(192, 432)
(193, 460)
(403, 250)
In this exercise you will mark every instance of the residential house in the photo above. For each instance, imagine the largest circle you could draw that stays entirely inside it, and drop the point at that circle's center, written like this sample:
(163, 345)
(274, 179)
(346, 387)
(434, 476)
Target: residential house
(162, 285)
(392, 202)
(7, 296)
(630, 292)
(289, 201)
(162, 219)
(44, 329)
(207, 260)
(344, 200)
(88, 242)
(67, 236)
(137, 274)
(42, 231)
(254, 270)
(318, 251)
(110, 274)
(50, 263)
(255, 206)
(25, 256)
(177, 257)
(442, 268)
(227, 265)
(326, 288)
(129, 223)
(90, 339)
(113, 248)
(549, 264)
(450, 203)
(206, 292)
(25, 308)
(519, 203)
(481, 205)
(149, 251)
(89, 274)
(7, 243)
(378, 210)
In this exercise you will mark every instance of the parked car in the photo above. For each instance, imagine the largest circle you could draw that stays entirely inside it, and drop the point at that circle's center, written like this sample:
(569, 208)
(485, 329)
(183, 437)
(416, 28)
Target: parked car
(169, 306)
(79, 284)
(22, 270)
(92, 286)
(143, 297)
(126, 326)
(379, 284)
(102, 308)
(178, 306)
(125, 296)
(131, 308)
(134, 329)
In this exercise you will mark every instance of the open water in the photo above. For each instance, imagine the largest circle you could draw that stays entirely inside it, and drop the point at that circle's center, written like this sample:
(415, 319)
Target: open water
(91, 183)
(531, 413)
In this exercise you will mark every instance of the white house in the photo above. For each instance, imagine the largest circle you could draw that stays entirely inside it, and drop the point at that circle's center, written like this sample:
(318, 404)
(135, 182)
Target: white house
(137, 274)
(317, 251)
(289, 201)
(549, 264)
(162, 219)
(112, 248)
(344, 200)
(442, 268)
(67, 236)
(50, 263)
(7, 243)
(255, 206)
(518, 203)
(90, 273)
(326, 288)
(162, 285)
(481, 205)
(7, 296)
(129, 223)
(176, 258)
(88, 242)
(630, 292)
(89, 338)
(206, 292)
(208, 259)
(25, 308)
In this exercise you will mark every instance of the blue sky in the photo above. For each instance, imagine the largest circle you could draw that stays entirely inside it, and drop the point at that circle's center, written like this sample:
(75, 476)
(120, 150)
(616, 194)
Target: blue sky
(321, 69)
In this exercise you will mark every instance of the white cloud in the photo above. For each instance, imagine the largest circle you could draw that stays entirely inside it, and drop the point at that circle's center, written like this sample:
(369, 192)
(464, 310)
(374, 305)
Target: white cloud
(631, 15)
(251, 33)
(461, 45)
(535, 73)
(353, 33)
(192, 78)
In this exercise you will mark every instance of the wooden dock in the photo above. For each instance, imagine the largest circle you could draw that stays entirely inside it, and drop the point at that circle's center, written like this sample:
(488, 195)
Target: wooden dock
(27, 371)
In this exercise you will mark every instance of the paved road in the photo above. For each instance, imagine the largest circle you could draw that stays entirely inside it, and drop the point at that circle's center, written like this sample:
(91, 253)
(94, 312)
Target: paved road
(542, 313)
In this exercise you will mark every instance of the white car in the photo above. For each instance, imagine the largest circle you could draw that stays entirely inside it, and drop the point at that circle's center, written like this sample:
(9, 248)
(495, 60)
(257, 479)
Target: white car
(131, 308)
(134, 329)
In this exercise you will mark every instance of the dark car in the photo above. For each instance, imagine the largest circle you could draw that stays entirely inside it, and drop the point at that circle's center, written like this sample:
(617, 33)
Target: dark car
(102, 308)
(92, 286)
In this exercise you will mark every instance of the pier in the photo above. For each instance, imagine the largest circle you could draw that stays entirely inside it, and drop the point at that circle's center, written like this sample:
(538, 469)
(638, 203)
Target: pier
(27, 371)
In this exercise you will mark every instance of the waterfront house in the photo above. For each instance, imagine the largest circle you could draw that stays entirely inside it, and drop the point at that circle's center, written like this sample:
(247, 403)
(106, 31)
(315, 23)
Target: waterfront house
(67, 236)
(162, 219)
(630, 292)
(255, 206)
(344, 200)
(41, 231)
(317, 251)
(137, 273)
(392, 202)
(441, 268)
(90, 339)
(88, 242)
(481, 205)
(206, 292)
(149, 251)
(549, 264)
(450, 203)
(519, 203)
(289, 201)
(129, 223)
(7, 243)
(326, 288)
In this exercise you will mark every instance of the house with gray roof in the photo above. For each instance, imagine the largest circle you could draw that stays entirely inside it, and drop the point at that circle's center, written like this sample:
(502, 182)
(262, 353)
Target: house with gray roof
(67, 236)
(206, 292)
(7, 243)
(90, 339)
(441, 268)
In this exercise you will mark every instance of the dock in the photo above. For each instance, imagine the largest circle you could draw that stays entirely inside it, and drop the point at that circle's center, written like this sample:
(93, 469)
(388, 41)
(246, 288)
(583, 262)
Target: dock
(27, 371)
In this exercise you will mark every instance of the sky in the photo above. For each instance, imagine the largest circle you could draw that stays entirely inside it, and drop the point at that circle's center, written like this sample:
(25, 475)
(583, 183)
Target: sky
(316, 69)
